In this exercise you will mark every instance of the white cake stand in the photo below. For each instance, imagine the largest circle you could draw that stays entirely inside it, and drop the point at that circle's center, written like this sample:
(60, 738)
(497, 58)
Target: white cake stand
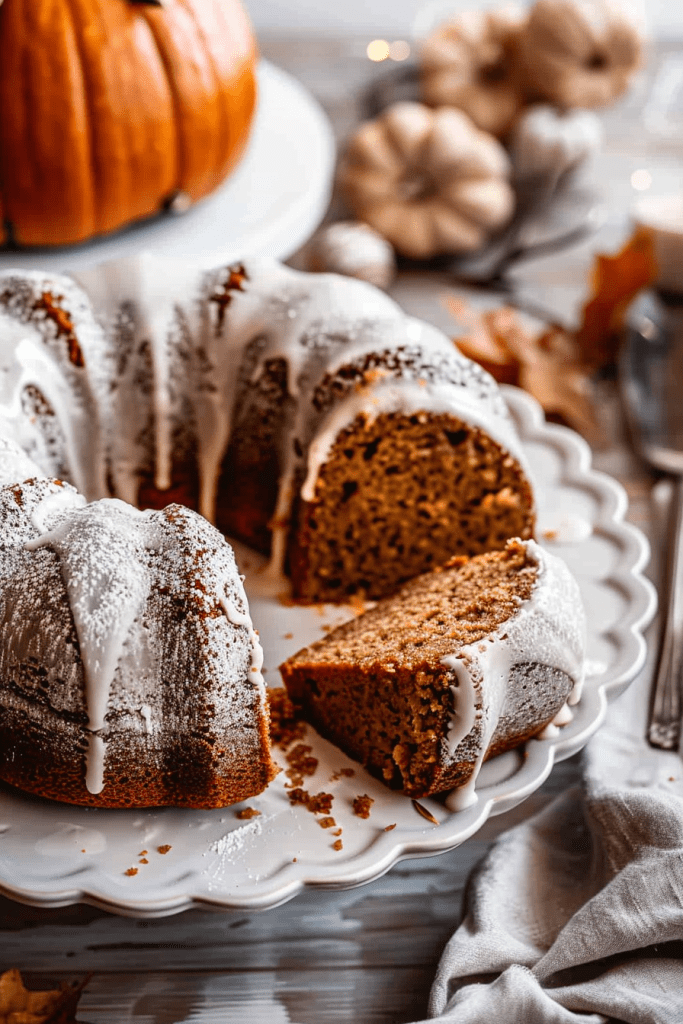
(272, 203)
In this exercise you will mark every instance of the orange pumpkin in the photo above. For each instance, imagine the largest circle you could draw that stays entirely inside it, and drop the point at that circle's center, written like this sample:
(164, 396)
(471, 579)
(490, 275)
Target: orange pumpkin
(110, 108)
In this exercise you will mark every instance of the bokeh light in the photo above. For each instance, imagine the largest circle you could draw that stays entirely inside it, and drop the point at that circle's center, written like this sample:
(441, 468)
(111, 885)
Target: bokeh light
(378, 49)
(399, 50)
(641, 180)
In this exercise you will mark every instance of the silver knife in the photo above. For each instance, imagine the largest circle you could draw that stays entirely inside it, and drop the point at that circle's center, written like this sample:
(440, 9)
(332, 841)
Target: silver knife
(651, 377)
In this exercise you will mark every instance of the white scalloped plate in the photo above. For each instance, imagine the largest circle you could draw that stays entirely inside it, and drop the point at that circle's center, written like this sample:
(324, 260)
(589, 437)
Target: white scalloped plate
(53, 855)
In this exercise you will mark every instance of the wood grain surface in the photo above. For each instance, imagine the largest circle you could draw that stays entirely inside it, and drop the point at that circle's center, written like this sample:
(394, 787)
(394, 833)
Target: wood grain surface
(366, 955)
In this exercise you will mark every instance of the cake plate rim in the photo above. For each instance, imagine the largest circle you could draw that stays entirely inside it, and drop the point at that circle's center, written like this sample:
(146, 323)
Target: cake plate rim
(634, 608)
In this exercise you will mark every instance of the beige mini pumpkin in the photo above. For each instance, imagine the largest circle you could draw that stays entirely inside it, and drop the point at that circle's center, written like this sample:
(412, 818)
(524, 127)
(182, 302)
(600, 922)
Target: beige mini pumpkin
(428, 180)
(470, 62)
(580, 53)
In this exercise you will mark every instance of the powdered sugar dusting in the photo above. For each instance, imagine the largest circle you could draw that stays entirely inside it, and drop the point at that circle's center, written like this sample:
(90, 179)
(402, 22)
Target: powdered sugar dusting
(146, 591)
(232, 842)
(101, 549)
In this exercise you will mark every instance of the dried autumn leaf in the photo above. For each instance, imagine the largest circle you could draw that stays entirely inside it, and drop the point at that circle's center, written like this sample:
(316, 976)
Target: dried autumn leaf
(546, 364)
(615, 281)
(20, 1006)
(483, 339)
(561, 385)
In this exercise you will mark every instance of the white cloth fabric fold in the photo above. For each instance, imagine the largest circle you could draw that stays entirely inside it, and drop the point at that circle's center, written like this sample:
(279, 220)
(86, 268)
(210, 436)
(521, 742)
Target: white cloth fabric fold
(576, 916)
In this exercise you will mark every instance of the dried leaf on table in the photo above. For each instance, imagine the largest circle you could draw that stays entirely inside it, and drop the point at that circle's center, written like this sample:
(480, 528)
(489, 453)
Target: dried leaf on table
(562, 385)
(615, 281)
(484, 338)
(546, 364)
(18, 1005)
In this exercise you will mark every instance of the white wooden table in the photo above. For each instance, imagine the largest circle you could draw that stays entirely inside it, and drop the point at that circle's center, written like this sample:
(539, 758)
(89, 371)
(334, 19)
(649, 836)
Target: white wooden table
(369, 954)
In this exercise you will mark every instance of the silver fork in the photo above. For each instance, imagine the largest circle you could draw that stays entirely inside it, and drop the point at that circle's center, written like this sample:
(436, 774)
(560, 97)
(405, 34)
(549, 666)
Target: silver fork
(652, 388)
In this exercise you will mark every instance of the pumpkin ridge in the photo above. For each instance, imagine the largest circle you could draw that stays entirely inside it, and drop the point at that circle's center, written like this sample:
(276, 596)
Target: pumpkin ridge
(220, 90)
(180, 156)
(234, 97)
(88, 116)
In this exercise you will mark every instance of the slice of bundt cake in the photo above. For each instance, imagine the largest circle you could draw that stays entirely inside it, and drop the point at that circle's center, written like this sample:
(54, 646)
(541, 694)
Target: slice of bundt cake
(129, 667)
(461, 664)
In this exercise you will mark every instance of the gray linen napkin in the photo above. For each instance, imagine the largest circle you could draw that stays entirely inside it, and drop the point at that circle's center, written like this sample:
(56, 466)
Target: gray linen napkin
(576, 916)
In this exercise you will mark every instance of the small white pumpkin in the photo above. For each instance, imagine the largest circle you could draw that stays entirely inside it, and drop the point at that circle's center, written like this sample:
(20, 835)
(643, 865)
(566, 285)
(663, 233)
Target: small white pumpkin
(353, 249)
(428, 180)
(549, 141)
(469, 62)
(580, 53)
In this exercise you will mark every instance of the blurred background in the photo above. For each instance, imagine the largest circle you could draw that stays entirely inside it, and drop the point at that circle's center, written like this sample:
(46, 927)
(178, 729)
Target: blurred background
(665, 17)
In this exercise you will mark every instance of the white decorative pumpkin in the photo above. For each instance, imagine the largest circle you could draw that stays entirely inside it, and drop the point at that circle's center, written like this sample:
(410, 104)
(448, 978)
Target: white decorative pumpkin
(580, 53)
(470, 62)
(353, 249)
(428, 180)
(549, 141)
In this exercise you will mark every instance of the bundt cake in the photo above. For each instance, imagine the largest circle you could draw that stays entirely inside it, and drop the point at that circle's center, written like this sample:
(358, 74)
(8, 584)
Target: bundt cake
(461, 664)
(129, 667)
(304, 414)
(269, 400)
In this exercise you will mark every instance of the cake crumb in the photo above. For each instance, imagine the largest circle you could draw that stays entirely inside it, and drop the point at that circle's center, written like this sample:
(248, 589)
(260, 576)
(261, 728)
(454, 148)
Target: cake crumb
(425, 813)
(362, 805)
(130, 872)
(549, 534)
(316, 803)
(327, 822)
(247, 812)
(294, 860)
(342, 773)
(164, 849)
(288, 636)
(388, 828)
(143, 853)
(338, 832)
(285, 727)
(338, 845)
(143, 860)
(301, 763)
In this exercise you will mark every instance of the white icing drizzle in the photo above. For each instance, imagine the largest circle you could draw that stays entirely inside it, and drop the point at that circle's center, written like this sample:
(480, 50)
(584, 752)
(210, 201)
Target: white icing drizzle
(15, 465)
(314, 323)
(99, 550)
(94, 763)
(146, 713)
(34, 354)
(563, 717)
(548, 629)
(464, 703)
(52, 504)
(243, 618)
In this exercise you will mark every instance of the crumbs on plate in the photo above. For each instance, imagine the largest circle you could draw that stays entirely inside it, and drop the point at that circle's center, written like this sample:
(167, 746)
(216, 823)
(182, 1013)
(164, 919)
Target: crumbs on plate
(362, 805)
(316, 803)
